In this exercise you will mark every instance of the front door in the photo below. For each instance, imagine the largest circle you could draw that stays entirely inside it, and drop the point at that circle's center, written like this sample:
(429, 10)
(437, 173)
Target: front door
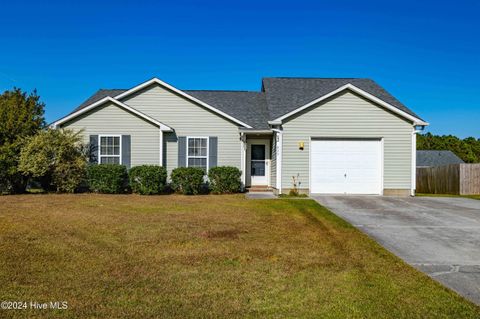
(258, 164)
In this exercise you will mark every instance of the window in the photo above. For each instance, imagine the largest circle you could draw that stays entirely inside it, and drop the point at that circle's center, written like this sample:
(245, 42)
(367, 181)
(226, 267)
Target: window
(197, 152)
(109, 149)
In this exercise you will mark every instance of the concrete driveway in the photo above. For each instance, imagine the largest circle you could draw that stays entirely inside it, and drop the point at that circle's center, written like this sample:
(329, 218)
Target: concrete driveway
(438, 235)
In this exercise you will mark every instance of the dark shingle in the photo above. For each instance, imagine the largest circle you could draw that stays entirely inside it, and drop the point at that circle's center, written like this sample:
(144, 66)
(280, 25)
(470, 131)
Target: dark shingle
(100, 94)
(428, 158)
(248, 107)
(287, 94)
(278, 97)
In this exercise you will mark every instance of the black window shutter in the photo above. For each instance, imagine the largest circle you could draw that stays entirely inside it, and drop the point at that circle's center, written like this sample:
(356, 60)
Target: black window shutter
(126, 150)
(182, 151)
(212, 151)
(93, 148)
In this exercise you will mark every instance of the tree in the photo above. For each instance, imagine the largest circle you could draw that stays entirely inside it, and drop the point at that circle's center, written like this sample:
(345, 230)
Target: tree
(21, 115)
(57, 157)
(467, 149)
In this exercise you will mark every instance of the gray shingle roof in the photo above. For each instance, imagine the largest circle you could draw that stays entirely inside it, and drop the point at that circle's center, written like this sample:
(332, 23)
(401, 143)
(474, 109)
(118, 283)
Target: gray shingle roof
(287, 94)
(278, 97)
(428, 158)
(100, 94)
(248, 107)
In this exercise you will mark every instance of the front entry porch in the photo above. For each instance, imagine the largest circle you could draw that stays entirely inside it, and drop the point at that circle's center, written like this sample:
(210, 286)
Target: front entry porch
(257, 161)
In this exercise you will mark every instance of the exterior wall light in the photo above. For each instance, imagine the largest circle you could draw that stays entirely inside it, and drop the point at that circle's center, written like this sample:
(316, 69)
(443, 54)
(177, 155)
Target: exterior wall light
(301, 145)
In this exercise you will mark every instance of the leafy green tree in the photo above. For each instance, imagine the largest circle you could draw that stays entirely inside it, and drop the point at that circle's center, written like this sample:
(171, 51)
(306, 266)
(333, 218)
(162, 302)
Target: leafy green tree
(467, 149)
(474, 145)
(21, 115)
(57, 157)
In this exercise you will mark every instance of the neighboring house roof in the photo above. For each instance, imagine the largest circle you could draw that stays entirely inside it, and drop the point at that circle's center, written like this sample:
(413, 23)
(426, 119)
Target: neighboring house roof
(428, 158)
(278, 98)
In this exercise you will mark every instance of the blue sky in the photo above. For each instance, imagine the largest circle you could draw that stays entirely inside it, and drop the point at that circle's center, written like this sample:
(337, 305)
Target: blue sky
(426, 53)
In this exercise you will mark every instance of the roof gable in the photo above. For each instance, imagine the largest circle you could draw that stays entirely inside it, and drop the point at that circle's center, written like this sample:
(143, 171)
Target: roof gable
(278, 99)
(182, 94)
(108, 99)
(97, 96)
(350, 87)
(285, 95)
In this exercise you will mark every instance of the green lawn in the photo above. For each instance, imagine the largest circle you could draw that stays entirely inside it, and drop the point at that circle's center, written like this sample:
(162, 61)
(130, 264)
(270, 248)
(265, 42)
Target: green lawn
(129, 256)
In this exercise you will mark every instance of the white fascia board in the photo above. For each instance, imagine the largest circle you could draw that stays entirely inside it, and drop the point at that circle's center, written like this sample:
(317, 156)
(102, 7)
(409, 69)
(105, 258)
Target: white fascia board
(252, 131)
(162, 126)
(275, 122)
(179, 92)
(415, 120)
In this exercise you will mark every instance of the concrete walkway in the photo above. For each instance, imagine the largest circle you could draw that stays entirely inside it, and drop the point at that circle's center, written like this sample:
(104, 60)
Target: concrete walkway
(438, 235)
(260, 195)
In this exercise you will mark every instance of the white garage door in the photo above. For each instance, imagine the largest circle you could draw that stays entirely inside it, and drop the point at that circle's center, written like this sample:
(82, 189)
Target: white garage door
(346, 167)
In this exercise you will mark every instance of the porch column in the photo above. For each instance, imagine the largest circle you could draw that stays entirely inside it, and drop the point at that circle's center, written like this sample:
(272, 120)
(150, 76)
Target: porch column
(279, 145)
(243, 157)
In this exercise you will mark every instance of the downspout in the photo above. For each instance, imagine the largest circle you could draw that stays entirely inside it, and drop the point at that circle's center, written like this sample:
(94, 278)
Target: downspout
(160, 151)
(414, 160)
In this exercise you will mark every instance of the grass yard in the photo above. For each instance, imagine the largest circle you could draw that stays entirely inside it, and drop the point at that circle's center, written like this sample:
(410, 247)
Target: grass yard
(129, 256)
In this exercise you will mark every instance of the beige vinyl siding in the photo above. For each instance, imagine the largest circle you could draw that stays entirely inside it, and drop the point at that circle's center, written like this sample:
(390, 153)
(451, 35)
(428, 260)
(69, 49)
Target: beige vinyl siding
(111, 119)
(348, 115)
(273, 169)
(187, 119)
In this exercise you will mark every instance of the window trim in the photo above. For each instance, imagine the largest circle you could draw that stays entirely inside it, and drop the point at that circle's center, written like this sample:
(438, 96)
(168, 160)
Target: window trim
(100, 147)
(206, 156)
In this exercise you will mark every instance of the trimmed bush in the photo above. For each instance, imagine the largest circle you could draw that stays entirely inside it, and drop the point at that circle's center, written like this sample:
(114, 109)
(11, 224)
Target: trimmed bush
(224, 179)
(55, 158)
(148, 179)
(187, 180)
(107, 178)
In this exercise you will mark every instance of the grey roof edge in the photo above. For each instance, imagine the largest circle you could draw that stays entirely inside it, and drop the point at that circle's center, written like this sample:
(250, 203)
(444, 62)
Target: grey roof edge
(398, 101)
(97, 96)
(378, 91)
(266, 115)
(126, 107)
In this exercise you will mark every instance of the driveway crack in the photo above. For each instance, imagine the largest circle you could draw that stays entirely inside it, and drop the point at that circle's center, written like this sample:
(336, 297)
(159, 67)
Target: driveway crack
(454, 268)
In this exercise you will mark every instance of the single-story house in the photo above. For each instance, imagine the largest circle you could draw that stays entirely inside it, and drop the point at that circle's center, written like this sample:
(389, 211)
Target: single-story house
(432, 158)
(330, 135)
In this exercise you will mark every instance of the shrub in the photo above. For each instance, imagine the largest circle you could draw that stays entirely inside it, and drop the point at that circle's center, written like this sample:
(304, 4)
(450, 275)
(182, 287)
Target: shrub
(225, 179)
(295, 182)
(56, 158)
(187, 180)
(147, 179)
(107, 178)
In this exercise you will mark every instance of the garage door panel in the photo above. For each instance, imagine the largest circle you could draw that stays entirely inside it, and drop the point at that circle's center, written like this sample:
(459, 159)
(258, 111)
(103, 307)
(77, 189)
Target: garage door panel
(363, 162)
(346, 166)
(330, 175)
